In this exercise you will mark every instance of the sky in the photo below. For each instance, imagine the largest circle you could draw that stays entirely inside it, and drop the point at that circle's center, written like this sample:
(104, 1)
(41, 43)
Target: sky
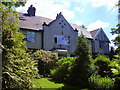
(93, 14)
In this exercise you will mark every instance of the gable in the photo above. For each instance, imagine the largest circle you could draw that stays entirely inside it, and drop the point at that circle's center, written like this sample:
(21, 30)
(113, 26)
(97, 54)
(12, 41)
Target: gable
(100, 35)
(61, 25)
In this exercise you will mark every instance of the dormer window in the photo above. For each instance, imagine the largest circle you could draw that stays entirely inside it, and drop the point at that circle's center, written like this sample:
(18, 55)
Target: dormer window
(21, 18)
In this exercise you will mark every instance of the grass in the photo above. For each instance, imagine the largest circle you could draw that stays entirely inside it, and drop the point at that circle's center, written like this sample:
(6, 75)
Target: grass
(45, 83)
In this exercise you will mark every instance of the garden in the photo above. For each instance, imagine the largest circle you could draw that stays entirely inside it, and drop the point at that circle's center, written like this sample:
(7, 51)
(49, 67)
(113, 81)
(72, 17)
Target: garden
(26, 69)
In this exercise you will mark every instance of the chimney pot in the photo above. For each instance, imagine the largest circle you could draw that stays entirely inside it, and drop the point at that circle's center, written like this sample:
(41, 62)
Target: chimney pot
(31, 10)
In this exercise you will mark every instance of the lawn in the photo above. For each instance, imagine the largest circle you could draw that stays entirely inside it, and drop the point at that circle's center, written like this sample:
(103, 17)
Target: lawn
(45, 83)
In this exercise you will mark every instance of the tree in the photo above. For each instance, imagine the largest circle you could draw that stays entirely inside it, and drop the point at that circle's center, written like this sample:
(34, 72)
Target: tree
(116, 59)
(82, 67)
(117, 31)
(83, 26)
(112, 52)
(15, 3)
(17, 65)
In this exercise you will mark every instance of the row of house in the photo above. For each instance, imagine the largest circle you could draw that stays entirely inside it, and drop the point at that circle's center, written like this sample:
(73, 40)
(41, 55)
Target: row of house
(58, 35)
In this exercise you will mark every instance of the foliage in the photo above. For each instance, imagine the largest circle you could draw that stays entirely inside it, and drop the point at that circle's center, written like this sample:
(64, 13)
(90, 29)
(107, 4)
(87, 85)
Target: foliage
(107, 68)
(112, 53)
(61, 73)
(82, 67)
(102, 66)
(15, 3)
(46, 61)
(83, 26)
(115, 66)
(44, 83)
(101, 83)
(17, 65)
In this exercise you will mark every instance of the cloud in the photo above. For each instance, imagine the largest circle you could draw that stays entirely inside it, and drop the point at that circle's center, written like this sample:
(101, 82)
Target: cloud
(49, 8)
(79, 9)
(98, 3)
(78, 22)
(97, 24)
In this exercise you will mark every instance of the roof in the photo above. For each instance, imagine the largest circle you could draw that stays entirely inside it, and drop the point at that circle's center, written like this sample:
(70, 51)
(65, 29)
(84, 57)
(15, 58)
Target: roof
(81, 30)
(34, 23)
(94, 32)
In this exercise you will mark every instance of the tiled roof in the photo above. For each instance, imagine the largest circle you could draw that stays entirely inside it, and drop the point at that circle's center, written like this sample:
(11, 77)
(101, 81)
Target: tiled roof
(34, 23)
(94, 32)
(83, 30)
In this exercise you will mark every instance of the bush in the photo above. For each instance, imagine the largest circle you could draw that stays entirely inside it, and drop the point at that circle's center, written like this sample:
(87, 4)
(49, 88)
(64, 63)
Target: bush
(46, 61)
(61, 73)
(102, 66)
(101, 83)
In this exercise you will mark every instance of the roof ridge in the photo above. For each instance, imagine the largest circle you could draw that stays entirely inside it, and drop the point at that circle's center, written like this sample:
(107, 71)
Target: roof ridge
(25, 14)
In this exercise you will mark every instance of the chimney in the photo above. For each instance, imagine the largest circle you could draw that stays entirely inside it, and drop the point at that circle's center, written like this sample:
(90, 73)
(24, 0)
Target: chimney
(31, 11)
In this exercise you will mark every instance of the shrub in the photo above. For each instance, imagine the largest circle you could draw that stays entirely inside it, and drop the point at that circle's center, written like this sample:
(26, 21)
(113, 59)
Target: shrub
(102, 66)
(61, 73)
(101, 83)
(46, 61)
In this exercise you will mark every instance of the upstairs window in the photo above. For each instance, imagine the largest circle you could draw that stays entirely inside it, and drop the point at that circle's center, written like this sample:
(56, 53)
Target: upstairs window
(101, 44)
(62, 39)
(30, 36)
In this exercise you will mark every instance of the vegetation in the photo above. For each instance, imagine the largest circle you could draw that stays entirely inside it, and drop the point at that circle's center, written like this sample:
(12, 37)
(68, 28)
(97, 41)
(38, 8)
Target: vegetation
(62, 71)
(45, 83)
(75, 71)
(101, 83)
(20, 66)
(82, 67)
(46, 61)
(17, 65)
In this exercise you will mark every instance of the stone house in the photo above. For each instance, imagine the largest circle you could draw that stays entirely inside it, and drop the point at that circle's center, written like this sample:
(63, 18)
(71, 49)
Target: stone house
(57, 35)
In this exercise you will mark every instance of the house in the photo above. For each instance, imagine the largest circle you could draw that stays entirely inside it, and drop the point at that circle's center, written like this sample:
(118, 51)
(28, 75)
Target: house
(57, 35)
(44, 33)
(100, 43)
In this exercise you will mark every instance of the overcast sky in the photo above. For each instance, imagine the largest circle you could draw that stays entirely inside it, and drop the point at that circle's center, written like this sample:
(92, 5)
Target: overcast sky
(91, 13)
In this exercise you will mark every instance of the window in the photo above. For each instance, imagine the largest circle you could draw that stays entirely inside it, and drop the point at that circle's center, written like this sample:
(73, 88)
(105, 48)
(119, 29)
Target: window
(21, 18)
(55, 39)
(62, 39)
(101, 44)
(30, 36)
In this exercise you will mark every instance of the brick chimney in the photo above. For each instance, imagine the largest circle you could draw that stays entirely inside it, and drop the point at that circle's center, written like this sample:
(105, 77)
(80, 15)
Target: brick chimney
(31, 11)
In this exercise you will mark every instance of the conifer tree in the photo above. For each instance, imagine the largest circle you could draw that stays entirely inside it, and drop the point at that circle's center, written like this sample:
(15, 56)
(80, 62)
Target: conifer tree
(81, 69)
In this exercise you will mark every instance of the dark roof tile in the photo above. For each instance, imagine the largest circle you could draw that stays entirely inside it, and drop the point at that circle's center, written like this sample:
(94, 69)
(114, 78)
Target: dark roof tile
(34, 23)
